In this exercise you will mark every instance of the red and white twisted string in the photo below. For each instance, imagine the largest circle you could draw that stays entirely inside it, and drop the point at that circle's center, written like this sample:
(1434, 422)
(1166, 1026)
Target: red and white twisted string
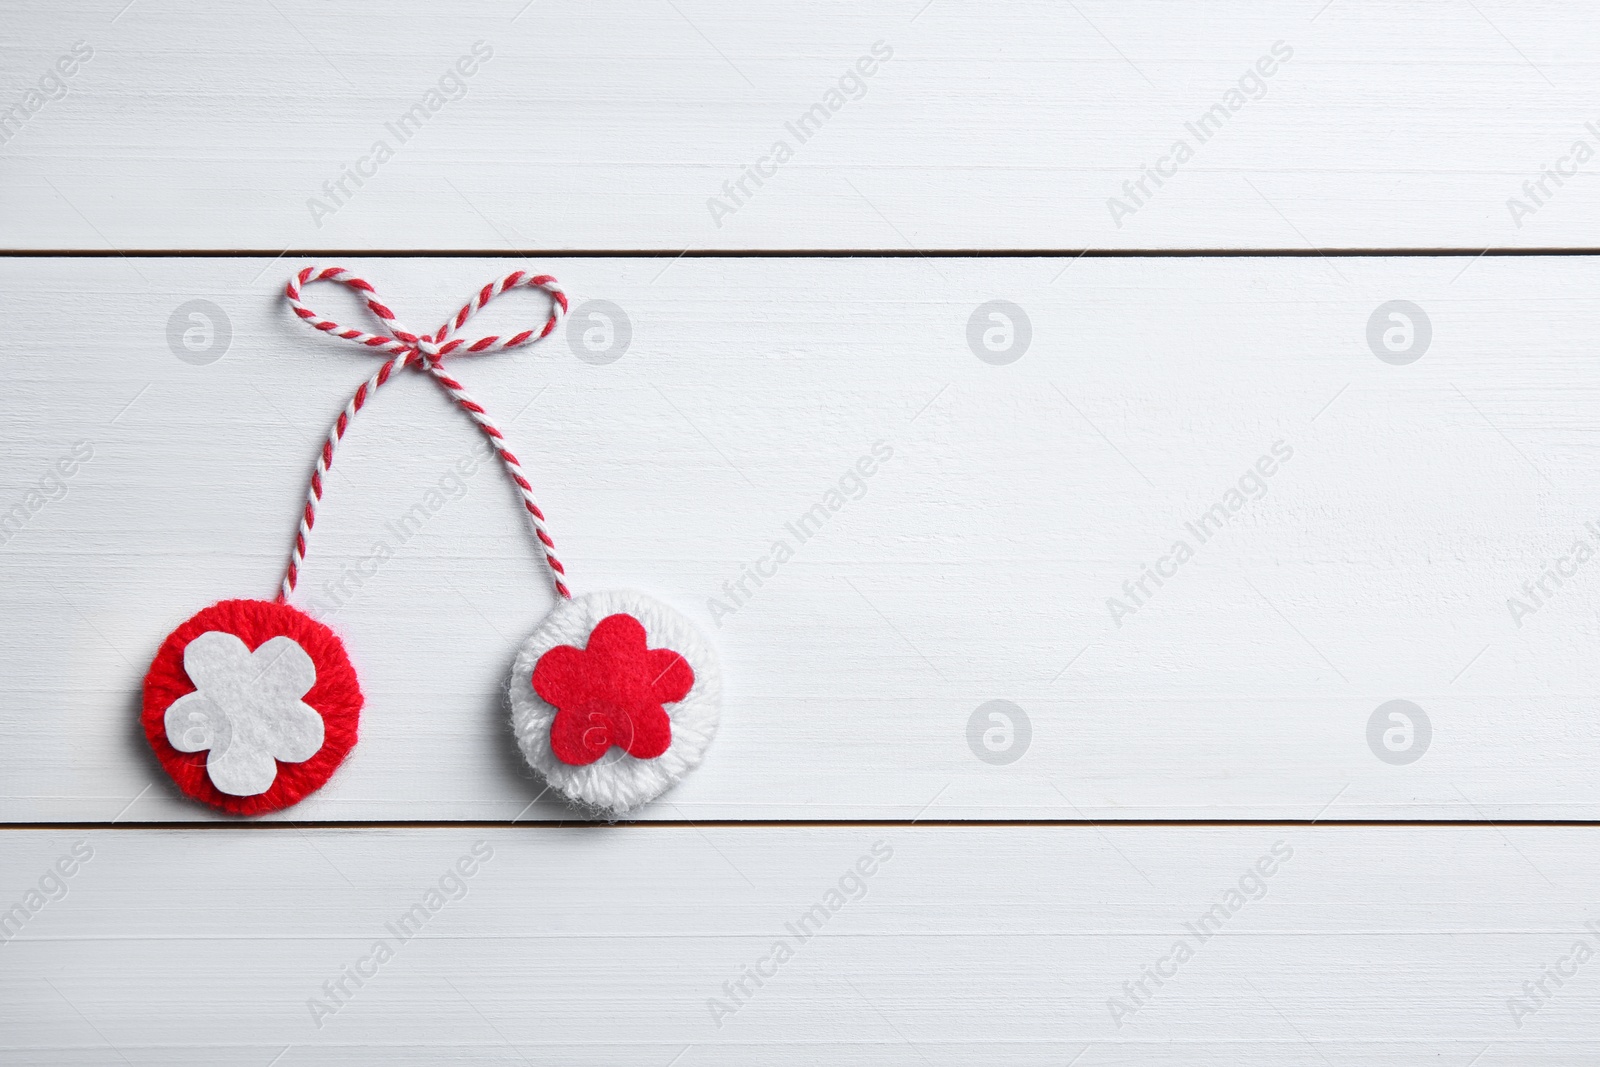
(427, 353)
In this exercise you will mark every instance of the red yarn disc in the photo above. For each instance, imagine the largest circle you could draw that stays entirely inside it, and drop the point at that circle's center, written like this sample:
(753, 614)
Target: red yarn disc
(336, 696)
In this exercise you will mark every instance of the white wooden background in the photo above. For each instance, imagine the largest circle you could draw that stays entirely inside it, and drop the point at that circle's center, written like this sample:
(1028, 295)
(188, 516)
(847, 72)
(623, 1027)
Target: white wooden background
(976, 567)
(609, 125)
(1384, 946)
(1233, 706)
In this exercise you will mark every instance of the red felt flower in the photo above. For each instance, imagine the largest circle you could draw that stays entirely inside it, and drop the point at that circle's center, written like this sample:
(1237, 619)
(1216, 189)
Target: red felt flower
(611, 692)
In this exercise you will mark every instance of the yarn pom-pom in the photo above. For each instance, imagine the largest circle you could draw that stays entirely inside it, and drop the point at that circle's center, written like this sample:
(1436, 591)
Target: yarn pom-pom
(614, 698)
(251, 705)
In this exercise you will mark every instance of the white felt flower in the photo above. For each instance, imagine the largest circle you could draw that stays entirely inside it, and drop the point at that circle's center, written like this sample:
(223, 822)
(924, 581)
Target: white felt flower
(246, 709)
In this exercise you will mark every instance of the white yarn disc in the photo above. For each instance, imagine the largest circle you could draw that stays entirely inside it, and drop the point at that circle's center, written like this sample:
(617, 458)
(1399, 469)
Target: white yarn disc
(617, 782)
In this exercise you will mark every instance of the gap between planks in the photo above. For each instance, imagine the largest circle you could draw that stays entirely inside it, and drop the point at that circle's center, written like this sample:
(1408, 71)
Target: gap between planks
(794, 253)
(842, 824)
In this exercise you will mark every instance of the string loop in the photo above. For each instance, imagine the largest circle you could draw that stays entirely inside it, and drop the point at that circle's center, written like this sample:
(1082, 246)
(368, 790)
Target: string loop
(426, 352)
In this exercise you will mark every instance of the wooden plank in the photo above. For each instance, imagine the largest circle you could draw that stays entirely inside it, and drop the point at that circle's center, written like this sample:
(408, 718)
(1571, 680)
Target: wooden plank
(1383, 946)
(986, 560)
(1013, 125)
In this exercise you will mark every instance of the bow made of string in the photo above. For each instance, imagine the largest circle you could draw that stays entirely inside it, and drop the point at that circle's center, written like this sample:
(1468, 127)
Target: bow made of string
(425, 352)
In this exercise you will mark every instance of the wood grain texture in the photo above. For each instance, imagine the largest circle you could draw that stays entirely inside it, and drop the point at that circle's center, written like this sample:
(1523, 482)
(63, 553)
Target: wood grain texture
(977, 564)
(1386, 530)
(1004, 945)
(1003, 125)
